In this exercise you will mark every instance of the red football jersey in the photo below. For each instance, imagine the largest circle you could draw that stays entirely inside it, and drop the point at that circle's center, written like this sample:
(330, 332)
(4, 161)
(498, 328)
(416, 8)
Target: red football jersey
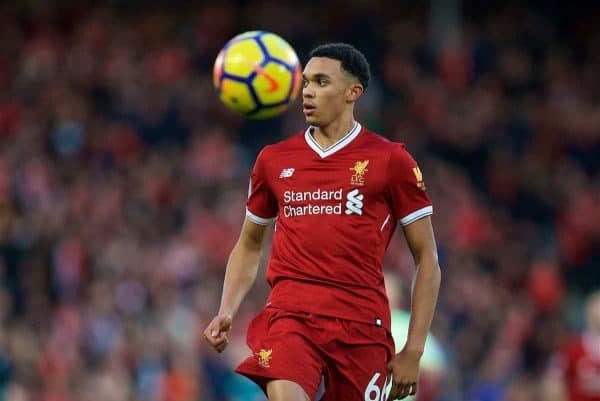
(335, 211)
(578, 363)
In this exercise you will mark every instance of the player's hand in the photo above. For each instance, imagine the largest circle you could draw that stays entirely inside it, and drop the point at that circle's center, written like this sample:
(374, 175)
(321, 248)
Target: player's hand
(404, 368)
(216, 332)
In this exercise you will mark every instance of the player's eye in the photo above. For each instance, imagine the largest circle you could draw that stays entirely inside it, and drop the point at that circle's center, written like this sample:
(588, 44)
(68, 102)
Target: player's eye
(304, 82)
(322, 82)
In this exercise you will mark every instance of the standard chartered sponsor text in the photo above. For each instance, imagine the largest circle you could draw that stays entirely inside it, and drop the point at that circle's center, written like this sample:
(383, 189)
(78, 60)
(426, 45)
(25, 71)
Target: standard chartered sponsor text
(291, 210)
(318, 194)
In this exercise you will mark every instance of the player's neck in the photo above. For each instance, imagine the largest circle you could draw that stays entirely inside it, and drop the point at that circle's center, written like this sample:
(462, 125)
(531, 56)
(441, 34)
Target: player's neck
(330, 134)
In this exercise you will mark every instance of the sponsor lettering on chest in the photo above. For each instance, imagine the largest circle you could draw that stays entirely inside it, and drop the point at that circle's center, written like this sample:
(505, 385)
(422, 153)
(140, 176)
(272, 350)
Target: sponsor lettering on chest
(341, 192)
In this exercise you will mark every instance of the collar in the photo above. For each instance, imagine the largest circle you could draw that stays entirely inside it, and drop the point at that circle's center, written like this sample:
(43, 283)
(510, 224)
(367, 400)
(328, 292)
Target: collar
(343, 142)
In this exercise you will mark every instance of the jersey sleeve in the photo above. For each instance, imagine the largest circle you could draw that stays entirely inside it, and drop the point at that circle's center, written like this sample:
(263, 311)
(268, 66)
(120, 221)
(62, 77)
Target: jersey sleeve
(261, 207)
(409, 201)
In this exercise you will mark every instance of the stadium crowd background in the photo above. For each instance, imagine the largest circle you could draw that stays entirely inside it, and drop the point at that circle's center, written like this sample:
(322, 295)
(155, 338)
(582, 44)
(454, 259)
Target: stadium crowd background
(123, 182)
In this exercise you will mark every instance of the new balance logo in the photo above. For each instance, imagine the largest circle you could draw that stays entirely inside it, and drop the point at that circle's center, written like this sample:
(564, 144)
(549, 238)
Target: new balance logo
(287, 173)
(354, 203)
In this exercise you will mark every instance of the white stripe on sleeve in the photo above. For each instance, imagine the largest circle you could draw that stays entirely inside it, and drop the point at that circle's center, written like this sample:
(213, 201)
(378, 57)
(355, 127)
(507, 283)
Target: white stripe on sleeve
(259, 220)
(416, 215)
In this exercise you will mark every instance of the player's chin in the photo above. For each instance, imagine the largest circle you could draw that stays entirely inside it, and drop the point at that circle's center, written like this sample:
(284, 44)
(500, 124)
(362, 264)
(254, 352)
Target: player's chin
(312, 120)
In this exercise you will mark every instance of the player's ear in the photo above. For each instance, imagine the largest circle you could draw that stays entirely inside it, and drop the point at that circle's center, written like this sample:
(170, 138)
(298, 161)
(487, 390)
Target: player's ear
(354, 91)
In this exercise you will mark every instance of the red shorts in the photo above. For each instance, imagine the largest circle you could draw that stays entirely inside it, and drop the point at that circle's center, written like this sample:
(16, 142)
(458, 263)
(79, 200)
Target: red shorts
(302, 347)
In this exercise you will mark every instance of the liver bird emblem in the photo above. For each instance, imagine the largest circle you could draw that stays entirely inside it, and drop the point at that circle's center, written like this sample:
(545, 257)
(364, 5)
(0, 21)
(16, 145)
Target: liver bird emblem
(264, 357)
(360, 168)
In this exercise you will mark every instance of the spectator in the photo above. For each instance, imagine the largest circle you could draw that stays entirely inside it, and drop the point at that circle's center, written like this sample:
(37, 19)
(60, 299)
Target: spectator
(574, 373)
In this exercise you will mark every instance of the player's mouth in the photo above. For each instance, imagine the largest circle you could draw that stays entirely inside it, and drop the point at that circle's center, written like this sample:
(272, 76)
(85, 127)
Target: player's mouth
(308, 108)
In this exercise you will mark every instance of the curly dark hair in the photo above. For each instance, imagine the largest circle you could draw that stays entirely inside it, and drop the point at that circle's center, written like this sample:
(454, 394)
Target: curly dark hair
(353, 61)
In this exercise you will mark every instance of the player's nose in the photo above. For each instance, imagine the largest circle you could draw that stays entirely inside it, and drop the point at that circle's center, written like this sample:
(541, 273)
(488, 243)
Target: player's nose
(307, 92)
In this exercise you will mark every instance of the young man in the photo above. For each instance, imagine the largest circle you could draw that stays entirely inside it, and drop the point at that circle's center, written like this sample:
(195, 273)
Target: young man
(336, 192)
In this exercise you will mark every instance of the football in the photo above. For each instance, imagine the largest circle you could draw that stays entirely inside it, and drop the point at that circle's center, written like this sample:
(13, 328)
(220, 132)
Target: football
(258, 74)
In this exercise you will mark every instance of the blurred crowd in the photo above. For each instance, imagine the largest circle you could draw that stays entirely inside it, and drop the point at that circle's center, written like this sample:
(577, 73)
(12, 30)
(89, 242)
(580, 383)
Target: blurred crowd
(123, 183)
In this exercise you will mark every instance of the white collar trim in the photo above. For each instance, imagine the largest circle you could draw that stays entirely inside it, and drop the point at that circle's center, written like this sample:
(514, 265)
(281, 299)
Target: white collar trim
(343, 142)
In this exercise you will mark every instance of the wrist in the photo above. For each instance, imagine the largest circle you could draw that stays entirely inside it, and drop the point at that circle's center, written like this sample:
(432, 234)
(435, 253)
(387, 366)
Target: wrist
(223, 311)
(416, 352)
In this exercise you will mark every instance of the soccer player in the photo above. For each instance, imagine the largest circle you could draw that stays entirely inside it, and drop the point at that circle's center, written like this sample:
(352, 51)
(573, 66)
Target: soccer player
(574, 373)
(335, 194)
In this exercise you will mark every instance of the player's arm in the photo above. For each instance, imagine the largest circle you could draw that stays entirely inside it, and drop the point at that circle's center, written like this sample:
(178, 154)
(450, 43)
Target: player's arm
(242, 268)
(405, 365)
(426, 283)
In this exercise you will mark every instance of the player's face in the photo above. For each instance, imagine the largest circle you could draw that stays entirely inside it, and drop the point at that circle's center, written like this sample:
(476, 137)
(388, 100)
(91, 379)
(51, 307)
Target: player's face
(327, 90)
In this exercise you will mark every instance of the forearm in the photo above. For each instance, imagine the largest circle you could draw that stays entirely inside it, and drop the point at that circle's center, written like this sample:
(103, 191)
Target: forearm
(425, 290)
(242, 268)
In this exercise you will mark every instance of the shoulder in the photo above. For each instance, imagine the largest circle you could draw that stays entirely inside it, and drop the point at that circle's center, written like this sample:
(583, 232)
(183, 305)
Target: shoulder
(374, 139)
(395, 154)
(286, 145)
(383, 144)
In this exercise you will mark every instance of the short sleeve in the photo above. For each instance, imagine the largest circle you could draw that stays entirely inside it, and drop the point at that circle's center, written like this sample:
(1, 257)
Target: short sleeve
(261, 207)
(407, 192)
